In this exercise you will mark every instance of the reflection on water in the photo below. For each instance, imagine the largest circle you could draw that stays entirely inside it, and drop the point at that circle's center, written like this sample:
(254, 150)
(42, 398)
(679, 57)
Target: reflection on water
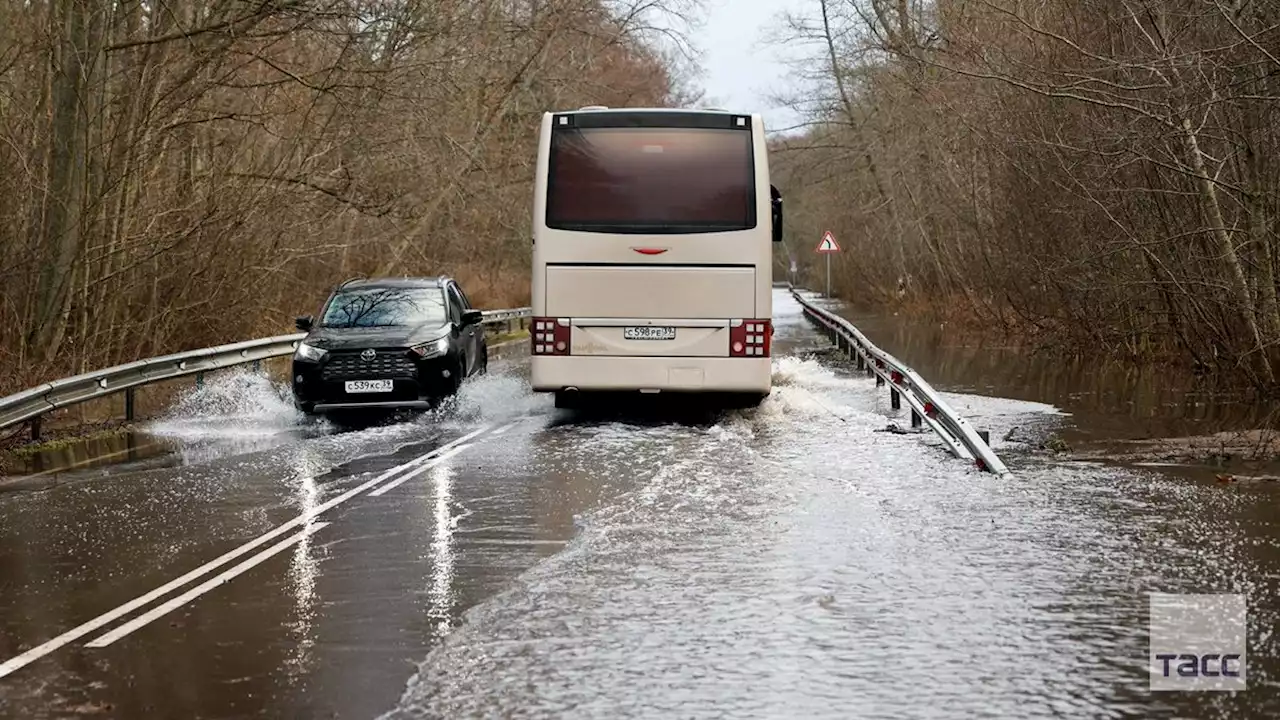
(442, 550)
(88, 453)
(778, 564)
(772, 564)
(1108, 399)
(303, 567)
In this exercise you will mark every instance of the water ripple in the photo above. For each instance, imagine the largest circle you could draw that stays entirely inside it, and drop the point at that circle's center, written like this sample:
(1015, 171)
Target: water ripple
(780, 564)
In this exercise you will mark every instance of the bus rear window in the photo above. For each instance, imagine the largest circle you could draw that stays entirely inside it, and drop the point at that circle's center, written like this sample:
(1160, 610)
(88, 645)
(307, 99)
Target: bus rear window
(651, 180)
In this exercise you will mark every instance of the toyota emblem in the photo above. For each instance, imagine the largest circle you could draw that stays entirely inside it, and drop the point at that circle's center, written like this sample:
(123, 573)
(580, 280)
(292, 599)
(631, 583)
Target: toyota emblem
(367, 355)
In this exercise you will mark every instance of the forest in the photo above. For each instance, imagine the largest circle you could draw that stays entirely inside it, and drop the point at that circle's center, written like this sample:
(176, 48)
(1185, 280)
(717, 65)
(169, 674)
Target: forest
(1083, 176)
(180, 173)
(1086, 176)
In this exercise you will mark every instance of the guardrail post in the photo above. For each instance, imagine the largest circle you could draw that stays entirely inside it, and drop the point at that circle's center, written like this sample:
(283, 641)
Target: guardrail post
(128, 405)
(35, 428)
(199, 381)
(257, 365)
(961, 439)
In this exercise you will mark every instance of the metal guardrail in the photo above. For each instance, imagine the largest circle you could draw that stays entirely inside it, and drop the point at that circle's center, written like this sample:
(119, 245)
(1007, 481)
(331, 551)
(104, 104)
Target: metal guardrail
(927, 406)
(35, 402)
(497, 316)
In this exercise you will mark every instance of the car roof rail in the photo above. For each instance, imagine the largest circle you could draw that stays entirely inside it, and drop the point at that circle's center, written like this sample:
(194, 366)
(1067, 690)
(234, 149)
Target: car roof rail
(348, 281)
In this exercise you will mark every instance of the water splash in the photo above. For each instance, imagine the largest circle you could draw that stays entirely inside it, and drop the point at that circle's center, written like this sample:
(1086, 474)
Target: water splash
(235, 404)
(492, 397)
(790, 370)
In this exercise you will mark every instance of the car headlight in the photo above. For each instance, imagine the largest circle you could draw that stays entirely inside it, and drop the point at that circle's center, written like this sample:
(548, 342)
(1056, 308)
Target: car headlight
(310, 352)
(435, 348)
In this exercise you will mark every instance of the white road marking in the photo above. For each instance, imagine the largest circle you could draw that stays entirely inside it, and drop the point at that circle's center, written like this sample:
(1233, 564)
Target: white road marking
(504, 428)
(204, 587)
(416, 472)
(433, 454)
(17, 663)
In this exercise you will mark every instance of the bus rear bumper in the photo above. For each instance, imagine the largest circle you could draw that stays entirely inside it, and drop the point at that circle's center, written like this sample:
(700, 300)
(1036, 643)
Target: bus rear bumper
(662, 374)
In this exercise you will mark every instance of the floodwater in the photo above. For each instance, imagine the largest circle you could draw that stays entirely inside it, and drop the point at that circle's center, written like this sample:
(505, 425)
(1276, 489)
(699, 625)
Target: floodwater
(1111, 405)
(234, 411)
(799, 562)
(794, 560)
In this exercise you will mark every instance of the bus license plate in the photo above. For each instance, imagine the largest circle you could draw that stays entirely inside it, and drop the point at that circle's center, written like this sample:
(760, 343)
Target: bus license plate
(649, 332)
(369, 386)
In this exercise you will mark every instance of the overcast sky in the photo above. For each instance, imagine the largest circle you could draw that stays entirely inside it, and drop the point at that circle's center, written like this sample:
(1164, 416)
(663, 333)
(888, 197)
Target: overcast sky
(741, 64)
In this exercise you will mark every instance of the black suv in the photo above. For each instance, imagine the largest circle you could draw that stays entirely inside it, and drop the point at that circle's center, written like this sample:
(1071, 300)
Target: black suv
(388, 344)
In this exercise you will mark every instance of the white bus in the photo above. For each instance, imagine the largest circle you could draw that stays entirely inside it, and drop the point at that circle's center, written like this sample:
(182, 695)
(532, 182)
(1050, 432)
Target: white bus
(653, 234)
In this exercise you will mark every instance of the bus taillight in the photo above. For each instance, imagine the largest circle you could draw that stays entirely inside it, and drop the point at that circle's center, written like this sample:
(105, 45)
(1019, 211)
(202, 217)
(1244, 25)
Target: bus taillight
(750, 338)
(549, 336)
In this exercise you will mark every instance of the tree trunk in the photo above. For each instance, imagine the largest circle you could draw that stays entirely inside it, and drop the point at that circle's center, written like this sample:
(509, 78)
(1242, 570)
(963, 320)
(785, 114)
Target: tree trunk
(1226, 250)
(64, 200)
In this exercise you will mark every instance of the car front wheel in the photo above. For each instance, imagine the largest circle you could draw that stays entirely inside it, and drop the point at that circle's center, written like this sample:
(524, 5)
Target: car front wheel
(456, 373)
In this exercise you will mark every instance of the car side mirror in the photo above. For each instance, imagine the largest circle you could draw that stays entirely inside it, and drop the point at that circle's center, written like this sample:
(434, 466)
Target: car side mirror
(303, 323)
(472, 317)
(777, 213)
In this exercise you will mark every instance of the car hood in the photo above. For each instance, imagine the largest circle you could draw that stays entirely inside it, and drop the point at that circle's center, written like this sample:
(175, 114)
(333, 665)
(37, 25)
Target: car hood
(395, 336)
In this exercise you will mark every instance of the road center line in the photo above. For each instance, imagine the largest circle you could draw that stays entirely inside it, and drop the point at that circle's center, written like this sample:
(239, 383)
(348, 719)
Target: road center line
(417, 471)
(17, 663)
(204, 587)
(504, 428)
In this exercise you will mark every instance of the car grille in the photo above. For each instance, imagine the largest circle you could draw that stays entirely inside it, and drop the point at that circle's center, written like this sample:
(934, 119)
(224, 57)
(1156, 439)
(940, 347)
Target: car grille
(385, 365)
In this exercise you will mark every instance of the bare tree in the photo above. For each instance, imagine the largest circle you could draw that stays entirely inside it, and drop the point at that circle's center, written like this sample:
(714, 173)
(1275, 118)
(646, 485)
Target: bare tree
(180, 173)
(1084, 174)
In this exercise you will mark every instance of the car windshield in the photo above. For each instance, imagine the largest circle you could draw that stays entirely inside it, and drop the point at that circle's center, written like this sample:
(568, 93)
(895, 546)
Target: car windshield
(385, 306)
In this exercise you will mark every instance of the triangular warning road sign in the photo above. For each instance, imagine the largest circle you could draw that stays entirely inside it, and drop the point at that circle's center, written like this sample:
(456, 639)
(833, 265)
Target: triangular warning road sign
(828, 244)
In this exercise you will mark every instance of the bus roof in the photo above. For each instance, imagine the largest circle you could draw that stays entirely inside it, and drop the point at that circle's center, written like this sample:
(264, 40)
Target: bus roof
(603, 109)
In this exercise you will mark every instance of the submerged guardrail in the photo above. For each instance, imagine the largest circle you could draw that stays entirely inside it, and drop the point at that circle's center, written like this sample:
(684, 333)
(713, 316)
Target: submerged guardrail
(927, 405)
(31, 404)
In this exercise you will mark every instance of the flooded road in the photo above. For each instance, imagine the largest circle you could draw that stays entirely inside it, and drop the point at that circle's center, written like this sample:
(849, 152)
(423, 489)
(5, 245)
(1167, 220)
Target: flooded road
(507, 559)
(1114, 407)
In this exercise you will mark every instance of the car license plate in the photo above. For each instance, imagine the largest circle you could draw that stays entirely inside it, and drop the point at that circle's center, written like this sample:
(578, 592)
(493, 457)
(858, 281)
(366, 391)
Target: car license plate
(369, 386)
(649, 332)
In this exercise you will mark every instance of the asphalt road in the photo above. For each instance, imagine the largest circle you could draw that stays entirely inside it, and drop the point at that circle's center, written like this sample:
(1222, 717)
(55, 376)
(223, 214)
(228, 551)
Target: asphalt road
(506, 559)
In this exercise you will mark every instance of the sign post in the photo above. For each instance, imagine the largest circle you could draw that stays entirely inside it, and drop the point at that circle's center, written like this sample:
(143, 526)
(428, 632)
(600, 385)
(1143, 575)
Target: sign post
(828, 246)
